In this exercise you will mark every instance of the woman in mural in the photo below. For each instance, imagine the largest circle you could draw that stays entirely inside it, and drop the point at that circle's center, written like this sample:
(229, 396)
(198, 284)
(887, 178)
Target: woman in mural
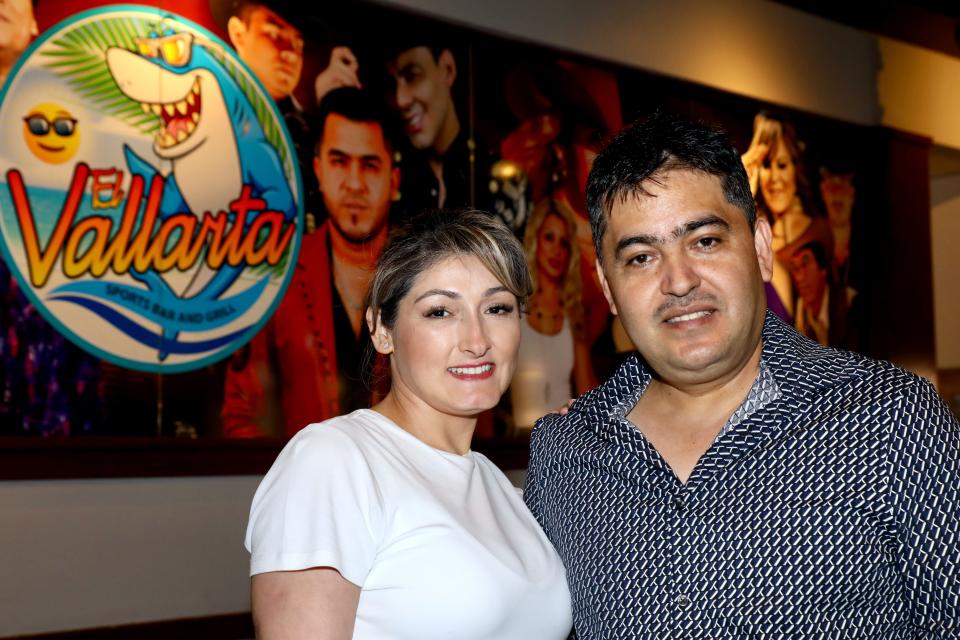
(367, 524)
(553, 350)
(780, 184)
(564, 112)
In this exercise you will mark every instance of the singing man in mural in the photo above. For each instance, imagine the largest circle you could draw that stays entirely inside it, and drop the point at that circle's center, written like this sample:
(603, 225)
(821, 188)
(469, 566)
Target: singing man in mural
(305, 365)
(734, 478)
(423, 71)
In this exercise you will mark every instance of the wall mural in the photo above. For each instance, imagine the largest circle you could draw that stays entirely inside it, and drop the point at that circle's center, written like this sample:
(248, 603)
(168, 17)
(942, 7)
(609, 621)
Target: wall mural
(194, 198)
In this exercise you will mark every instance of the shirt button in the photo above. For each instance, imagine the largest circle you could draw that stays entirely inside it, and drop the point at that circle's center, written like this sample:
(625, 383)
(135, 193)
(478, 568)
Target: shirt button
(677, 503)
(683, 602)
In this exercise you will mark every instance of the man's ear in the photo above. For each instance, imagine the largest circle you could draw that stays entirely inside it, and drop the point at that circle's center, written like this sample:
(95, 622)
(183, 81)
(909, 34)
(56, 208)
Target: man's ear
(380, 336)
(605, 286)
(236, 30)
(763, 243)
(448, 65)
(394, 183)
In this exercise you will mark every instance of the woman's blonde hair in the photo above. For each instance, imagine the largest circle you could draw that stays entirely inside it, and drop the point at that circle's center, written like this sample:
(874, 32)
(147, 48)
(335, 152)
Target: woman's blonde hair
(436, 235)
(772, 130)
(572, 282)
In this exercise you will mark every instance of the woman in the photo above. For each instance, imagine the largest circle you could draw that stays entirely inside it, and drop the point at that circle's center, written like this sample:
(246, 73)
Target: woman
(382, 523)
(553, 350)
(780, 185)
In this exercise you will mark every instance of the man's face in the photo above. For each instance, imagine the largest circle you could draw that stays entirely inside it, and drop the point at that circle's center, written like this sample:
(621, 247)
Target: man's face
(271, 46)
(17, 27)
(422, 94)
(809, 277)
(356, 175)
(838, 194)
(685, 274)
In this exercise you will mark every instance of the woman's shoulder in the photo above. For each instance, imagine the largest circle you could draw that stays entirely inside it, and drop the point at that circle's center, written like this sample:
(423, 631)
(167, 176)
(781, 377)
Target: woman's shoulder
(343, 437)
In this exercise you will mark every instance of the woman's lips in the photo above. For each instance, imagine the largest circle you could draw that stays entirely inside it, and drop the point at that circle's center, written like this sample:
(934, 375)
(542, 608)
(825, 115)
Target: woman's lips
(480, 371)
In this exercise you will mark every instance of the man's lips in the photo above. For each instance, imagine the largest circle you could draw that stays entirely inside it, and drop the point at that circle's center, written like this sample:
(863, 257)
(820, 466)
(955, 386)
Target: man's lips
(688, 314)
(355, 207)
(480, 371)
(413, 122)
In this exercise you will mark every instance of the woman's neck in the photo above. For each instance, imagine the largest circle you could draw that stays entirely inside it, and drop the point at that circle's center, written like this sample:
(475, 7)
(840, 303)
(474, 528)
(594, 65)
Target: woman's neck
(439, 430)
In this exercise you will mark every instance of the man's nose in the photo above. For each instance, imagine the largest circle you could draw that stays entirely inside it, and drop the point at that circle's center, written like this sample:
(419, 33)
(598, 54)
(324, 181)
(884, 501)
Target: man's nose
(404, 97)
(353, 181)
(678, 275)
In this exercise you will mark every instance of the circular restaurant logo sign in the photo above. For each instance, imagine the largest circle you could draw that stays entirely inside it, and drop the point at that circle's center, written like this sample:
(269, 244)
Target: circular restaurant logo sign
(149, 196)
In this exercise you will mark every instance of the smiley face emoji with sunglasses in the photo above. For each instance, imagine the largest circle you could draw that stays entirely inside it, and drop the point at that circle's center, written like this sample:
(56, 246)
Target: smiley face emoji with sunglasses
(51, 133)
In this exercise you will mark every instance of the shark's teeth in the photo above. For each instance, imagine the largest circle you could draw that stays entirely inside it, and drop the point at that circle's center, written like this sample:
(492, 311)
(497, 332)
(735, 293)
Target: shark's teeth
(190, 98)
(190, 127)
(182, 107)
(146, 107)
(157, 109)
(169, 109)
(195, 117)
(182, 135)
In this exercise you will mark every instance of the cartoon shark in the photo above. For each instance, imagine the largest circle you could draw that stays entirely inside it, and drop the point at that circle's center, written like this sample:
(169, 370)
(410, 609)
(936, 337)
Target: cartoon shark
(210, 136)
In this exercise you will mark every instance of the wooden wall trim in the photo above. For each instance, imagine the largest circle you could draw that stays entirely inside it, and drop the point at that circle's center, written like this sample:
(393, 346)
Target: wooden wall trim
(23, 458)
(231, 626)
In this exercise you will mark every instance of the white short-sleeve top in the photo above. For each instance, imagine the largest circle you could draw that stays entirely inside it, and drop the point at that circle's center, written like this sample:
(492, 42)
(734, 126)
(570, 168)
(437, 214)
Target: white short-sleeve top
(441, 544)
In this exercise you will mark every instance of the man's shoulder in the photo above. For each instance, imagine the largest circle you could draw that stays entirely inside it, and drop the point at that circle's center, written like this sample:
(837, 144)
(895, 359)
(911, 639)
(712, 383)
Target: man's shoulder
(797, 362)
(593, 411)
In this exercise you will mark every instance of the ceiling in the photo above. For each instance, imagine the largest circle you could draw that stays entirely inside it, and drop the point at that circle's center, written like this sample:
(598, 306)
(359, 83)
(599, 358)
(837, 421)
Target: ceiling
(933, 24)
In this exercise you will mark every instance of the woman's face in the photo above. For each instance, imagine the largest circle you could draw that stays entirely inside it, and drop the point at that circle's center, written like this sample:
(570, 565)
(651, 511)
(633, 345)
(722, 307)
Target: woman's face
(455, 339)
(778, 179)
(553, 247)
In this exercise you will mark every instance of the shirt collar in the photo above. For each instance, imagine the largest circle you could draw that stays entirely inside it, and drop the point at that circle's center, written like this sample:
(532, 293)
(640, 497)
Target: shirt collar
(796, 367)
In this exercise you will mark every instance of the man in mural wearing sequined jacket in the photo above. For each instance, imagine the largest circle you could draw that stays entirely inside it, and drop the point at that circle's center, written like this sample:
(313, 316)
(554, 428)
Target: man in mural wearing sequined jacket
(734, 479)
(306, 364)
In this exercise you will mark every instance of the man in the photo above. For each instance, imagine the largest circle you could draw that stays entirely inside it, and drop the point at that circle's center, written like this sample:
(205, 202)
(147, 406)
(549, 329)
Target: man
(440, 173)
(821, 312)
(839, 194)
(17, 28)
(734, 479)
(266, 38)
(305, 365)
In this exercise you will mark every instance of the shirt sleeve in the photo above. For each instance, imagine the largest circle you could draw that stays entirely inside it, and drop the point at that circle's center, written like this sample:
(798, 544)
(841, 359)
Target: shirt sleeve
(318, 506)
(925, 494)
(536, 472)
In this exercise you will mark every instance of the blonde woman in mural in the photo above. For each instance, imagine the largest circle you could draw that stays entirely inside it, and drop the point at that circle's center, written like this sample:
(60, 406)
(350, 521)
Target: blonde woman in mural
(780, 185)
(553, 351)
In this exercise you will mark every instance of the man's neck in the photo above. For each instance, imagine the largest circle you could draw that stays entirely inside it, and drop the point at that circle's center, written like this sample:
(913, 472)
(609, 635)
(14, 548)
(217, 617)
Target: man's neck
(353, 264)
(682, 420)
(447, 134)
(357, 254)
(449, 131)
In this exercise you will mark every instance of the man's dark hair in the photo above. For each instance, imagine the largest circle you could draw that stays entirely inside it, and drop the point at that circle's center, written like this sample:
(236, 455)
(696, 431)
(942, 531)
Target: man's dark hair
(819, 253)
(359, 106)
(646, 150)
(223, 10)
(405, 34)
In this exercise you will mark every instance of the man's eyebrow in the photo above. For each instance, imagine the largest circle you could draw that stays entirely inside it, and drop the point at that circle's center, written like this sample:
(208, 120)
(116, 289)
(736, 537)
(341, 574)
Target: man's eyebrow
(679, 232)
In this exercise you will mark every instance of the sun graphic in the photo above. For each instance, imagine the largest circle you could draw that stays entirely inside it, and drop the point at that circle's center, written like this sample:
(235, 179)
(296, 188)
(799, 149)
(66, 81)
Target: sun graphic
(51, 133)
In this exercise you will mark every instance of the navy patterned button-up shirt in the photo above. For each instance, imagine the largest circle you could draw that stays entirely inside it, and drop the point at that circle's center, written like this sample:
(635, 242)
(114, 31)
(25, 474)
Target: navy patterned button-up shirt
(830, 509)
